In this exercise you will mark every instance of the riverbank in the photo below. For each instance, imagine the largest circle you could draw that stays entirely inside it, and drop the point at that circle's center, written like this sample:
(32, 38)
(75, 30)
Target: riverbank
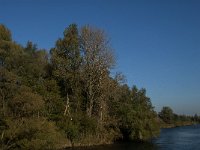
(123, 143)
(120, 146)
(88, 142)
(179, 139)
(177, 124)
(93, 141)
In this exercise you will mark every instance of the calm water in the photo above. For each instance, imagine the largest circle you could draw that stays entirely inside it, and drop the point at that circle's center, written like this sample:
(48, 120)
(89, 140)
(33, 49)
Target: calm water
(180, 138)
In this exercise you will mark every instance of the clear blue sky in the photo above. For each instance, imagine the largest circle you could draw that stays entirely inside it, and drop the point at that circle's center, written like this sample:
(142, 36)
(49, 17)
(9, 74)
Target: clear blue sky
(157, 43)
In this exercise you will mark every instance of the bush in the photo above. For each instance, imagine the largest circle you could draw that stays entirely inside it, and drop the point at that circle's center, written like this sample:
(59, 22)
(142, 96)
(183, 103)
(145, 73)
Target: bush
(32, 134)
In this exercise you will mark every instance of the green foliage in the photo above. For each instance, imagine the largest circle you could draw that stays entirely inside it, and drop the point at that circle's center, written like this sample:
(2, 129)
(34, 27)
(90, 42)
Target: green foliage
(138, 119)
(170, 119)
(26, 103)
(53, 101)
(48, 101)
(65, 64)
(66, 55)
(5, 33)
(72, 131)
(166, 115)
(87, 125)
(32, 134)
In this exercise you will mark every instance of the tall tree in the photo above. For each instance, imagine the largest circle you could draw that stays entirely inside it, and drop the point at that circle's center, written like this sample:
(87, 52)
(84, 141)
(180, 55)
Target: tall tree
(98, 59)
(66, 60)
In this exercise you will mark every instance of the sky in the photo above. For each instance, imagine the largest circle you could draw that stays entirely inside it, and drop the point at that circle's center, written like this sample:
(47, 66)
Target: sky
(156, 43)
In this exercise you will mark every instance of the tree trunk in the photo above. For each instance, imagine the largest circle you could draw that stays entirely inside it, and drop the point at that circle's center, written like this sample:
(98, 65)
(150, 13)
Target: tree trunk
(67, 107)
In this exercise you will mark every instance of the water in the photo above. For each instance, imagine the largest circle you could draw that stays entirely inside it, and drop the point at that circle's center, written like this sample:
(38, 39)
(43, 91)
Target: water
(180, 138)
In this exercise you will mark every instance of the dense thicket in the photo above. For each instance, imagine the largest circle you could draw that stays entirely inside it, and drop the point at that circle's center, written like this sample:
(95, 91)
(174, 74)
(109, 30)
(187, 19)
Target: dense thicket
(68, 97)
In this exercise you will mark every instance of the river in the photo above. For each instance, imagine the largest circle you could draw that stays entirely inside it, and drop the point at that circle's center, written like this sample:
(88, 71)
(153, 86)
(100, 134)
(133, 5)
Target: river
(179, 138)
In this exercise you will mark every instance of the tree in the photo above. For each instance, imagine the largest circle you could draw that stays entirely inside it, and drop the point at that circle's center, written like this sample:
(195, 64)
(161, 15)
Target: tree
(70, 92)
(98, 59)
(5, 39)
(137, 117)
(196, 118)
(25, 103)
(66, 62)
(32, 133)
(23, 123)
(5, 33)
(166, 114)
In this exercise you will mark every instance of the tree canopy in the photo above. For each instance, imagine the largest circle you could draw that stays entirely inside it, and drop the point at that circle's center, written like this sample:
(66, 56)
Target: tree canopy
(67, 97)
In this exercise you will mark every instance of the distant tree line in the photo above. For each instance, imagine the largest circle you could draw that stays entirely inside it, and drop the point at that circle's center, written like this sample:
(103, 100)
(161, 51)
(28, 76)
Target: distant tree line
(170, 118)
(67, 97)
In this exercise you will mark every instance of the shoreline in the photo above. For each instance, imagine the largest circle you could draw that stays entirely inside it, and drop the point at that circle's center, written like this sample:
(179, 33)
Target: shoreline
(166, 126)
(105, 144)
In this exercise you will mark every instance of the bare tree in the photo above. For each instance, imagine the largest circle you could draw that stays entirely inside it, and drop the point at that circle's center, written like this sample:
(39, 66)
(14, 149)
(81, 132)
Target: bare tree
(98, 59)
